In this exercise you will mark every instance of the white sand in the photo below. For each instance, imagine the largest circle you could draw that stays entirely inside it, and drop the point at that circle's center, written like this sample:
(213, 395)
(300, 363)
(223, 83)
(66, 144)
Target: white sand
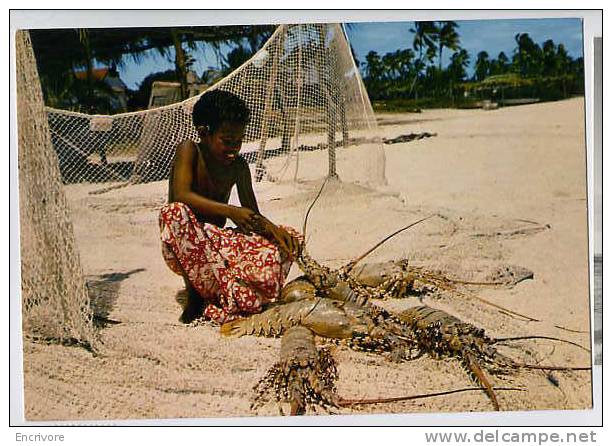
(489, 172)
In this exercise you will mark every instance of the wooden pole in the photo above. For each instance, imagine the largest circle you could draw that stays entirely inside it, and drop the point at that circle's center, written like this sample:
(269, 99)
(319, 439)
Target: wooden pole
(270, 91)
(330, 106)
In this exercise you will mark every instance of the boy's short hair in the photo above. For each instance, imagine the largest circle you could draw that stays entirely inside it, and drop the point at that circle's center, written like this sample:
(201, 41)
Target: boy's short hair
(218, 106)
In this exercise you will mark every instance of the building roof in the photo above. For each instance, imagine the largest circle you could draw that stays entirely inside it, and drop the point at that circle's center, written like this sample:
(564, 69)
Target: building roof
(99, 74)
(103, 74)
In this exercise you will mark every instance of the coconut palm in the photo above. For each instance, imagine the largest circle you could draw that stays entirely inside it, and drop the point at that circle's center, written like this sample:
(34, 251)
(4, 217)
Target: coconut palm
(549, 59)
(564, 63)
(499, 65)
(425, 39)
(482, 66)
(374, 66)
(447, 38)
(528, 56)
(460, 60)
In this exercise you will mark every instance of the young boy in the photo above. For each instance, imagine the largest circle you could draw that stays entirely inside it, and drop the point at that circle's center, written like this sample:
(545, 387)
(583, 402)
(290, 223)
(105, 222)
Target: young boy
(227, 272)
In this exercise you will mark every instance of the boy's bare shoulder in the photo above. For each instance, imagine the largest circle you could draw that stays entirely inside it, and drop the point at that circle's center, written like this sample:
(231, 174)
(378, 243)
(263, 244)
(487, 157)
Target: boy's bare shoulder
(242, 162)
(187, 146)
(242, 165)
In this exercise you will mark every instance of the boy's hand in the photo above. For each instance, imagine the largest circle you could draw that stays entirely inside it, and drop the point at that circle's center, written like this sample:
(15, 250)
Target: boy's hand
(246, 219)
(286, 241)
(250, 221)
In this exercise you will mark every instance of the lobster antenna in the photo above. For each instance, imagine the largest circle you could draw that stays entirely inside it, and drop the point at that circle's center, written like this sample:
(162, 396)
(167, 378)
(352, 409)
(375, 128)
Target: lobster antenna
(349, 267)
(353, 402)
(550, 338)
(310, 207)
(549, 367)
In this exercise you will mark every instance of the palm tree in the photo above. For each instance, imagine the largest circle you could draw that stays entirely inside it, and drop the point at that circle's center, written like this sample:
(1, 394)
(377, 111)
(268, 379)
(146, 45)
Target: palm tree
(404, 62)
(499, 65)
(374, 66)
(235, 58)
(391, 62)
(460, 60)
(563, 63)
(528, 56)
(180, 59)
(482, 65)
(425, 38)
(447, 38)
(549, 58)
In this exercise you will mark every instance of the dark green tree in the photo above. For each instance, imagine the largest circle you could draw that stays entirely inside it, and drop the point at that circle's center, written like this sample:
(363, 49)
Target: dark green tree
(404, 64)
(482, 66)
(374, 67)
(501, 65)
(447, 38)
(460, 60)
(425, 43)
(562, 60)
(235, 58)
(549, 59)
(527, 58)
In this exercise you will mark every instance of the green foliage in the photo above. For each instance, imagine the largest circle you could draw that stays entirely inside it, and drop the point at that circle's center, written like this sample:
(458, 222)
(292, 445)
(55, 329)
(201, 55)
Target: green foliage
(400, 80)
(512, 86)
(400, 105)
(62, 52)
(483, 66)
(236, 57)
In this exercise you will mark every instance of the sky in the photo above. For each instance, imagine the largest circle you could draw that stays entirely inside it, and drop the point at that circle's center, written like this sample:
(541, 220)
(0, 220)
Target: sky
(491, 36)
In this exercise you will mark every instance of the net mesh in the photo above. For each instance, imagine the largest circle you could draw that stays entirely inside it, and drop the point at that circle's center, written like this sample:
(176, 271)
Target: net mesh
(310, 117)
(55, 302)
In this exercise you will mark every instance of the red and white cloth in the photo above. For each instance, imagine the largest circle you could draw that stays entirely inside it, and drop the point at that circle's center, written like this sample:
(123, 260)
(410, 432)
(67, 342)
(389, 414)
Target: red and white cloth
(235, 273)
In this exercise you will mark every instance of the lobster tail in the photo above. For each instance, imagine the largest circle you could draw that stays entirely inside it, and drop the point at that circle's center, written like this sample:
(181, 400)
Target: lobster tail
(304, 377)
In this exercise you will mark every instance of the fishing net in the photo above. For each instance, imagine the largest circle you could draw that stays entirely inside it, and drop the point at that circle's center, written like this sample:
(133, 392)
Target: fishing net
(310, 118)
(55, 303)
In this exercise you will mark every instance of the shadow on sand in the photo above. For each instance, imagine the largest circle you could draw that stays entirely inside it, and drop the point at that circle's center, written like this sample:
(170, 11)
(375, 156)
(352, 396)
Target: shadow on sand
(103, 292)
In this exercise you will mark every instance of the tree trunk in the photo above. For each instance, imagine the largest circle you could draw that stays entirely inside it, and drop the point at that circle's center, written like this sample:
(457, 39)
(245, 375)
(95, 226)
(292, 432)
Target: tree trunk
(84, 38)
(180, 63)
(416, 79)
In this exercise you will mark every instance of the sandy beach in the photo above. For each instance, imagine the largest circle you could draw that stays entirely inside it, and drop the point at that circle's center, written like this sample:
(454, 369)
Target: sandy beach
(511, 187)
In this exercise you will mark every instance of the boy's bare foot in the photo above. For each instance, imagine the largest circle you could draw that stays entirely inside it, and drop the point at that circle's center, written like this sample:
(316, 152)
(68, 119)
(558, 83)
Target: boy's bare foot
(194, 307)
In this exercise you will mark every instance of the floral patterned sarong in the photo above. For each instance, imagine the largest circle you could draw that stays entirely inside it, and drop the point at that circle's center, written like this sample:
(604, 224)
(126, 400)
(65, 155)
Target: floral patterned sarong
(235, 273)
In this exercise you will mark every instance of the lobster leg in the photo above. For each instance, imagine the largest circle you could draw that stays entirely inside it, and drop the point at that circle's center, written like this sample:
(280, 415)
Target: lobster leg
(476, 371)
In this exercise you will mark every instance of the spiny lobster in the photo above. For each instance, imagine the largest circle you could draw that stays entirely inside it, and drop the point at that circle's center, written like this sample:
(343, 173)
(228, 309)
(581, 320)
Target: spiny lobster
(443, 335)
(305, 377)
(336, 304)
(390, 279)
(420, 329)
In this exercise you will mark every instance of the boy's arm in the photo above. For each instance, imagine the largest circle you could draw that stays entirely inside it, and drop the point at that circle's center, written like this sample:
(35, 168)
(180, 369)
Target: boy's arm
(184, 163)
(244, 184)
(266, 228)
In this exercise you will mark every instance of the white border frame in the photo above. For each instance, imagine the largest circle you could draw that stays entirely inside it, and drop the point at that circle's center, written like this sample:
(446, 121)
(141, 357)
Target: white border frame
(592, 20)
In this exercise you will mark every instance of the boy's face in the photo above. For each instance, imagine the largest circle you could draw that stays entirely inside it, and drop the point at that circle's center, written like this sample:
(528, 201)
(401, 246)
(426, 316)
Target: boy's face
(224, 143)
